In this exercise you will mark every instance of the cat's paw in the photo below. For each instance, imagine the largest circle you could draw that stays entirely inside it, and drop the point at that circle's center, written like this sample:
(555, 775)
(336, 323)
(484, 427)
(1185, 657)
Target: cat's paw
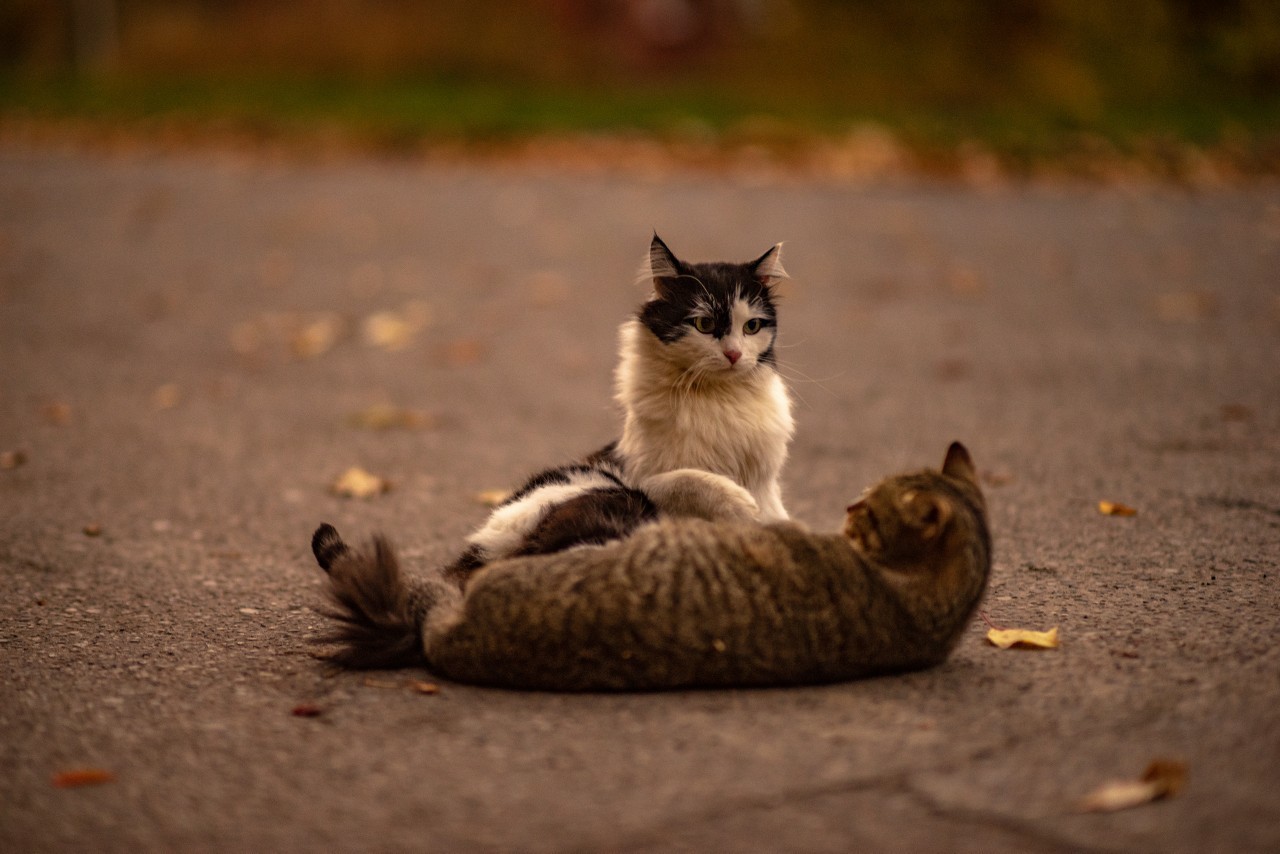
(701, 494)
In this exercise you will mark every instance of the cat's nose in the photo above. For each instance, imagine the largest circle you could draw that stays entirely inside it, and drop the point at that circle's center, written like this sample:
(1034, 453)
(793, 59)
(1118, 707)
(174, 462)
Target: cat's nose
(733, 356)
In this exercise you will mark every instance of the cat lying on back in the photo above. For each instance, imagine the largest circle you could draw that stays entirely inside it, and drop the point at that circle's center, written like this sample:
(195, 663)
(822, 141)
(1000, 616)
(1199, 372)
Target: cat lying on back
(707, 418)
(687, 602)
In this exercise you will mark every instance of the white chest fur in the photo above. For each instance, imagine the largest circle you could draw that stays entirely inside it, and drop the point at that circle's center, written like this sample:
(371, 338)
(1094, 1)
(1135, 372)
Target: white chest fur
(738, 426)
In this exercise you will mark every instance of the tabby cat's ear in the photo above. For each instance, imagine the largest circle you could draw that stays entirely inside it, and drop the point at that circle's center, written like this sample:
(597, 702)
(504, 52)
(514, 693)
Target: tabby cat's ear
(958, 464)
(768, 267)
(664, 266)
(931, 513)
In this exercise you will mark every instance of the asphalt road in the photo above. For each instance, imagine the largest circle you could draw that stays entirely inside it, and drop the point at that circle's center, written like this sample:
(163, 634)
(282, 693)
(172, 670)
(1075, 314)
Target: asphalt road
(188, 344)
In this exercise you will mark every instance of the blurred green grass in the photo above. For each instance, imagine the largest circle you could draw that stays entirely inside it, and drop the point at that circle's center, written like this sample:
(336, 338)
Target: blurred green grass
(1038, 82)
(403, 115)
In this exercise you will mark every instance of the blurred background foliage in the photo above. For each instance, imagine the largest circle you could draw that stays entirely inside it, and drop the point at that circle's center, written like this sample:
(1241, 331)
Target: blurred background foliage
(1026, 80)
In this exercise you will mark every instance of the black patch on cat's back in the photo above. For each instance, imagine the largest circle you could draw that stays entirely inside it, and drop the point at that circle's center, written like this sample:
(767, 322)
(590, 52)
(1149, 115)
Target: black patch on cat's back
(561, 475)
(594, 518)
(465, 564)
(606, 459)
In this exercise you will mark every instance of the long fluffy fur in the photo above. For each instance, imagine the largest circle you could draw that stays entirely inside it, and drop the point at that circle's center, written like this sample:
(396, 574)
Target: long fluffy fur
(689, 602)
(741, 431)
(378, 615)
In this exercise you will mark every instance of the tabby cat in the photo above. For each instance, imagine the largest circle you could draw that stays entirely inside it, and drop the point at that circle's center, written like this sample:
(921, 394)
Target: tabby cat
(689, 602)
(704, 410)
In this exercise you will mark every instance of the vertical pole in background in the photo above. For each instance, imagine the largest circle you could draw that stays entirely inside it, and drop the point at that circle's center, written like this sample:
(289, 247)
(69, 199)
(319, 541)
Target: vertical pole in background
(95, 35)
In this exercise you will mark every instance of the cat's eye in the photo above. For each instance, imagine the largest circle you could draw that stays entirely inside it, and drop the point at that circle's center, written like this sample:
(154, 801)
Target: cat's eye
(703, 324)
(752, 326)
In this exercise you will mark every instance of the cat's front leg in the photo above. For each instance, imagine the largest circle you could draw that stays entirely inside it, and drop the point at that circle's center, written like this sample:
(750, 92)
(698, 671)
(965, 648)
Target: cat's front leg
(700, 494)
(771, 509)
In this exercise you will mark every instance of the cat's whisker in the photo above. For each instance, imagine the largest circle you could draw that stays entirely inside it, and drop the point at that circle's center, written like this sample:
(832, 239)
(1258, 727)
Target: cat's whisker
(684, 385)
(795, 376)
(798, 396)
(793, 373)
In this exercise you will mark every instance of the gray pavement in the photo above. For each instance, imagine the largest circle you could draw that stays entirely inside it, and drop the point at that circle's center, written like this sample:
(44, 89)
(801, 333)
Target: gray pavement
(184, 340)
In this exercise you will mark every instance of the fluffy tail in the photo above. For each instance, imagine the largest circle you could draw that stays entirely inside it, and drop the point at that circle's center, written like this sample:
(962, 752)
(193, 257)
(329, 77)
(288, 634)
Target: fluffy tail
(327, 545)
(378, 615)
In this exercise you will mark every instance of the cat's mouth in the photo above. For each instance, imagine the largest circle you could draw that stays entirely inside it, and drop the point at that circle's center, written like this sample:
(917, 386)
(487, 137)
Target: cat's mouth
(740, 365)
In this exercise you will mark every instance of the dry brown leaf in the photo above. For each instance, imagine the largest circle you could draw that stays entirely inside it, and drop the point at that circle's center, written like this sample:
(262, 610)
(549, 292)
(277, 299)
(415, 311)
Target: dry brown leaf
(464, 351)
(12, 459)
(1115, 508)
(1163, 778)
(1185, 306)
(492, 497)
(997, 478)
(1026, 638)
(383, 416)
(548, 288)
(317, 337)
(165, 397)
(964, 281)
(950, 370)
(355, 482)
(57, 412)
(395, 330)
(1236, 412)
(387, 330)
(77, 777)
(370, 682)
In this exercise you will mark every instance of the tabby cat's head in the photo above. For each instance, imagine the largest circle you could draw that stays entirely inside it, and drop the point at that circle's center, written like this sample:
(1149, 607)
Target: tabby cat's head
(912, 516)
(715, 319)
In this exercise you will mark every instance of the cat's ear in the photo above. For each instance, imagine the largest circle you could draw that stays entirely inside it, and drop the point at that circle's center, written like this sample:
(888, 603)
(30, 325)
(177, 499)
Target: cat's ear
(958, 464)
(930, 513)
(768, 267)
(663, 267)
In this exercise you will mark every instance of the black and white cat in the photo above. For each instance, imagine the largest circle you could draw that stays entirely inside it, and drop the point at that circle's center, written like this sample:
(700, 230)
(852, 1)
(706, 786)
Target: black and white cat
(707, 419)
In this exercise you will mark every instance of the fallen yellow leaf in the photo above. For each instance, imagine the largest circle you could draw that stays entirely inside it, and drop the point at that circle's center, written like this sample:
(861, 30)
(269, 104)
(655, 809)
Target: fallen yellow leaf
(167, 396)
(317, 337)
(371, 682)
(388, 417)
(1005, 638)
(358, 483)
(12, 459)
(57, 412)
(464, 351)
(1115, 508)
(1163, 778)
(492, 497)
(394, 330)
(387, 330)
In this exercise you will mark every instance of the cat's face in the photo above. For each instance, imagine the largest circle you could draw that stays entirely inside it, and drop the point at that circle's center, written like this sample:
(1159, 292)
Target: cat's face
(716, 320)
(909, 517)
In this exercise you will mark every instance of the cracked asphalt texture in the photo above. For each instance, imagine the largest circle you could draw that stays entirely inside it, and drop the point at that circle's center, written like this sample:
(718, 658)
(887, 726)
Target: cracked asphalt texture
(183, 344)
